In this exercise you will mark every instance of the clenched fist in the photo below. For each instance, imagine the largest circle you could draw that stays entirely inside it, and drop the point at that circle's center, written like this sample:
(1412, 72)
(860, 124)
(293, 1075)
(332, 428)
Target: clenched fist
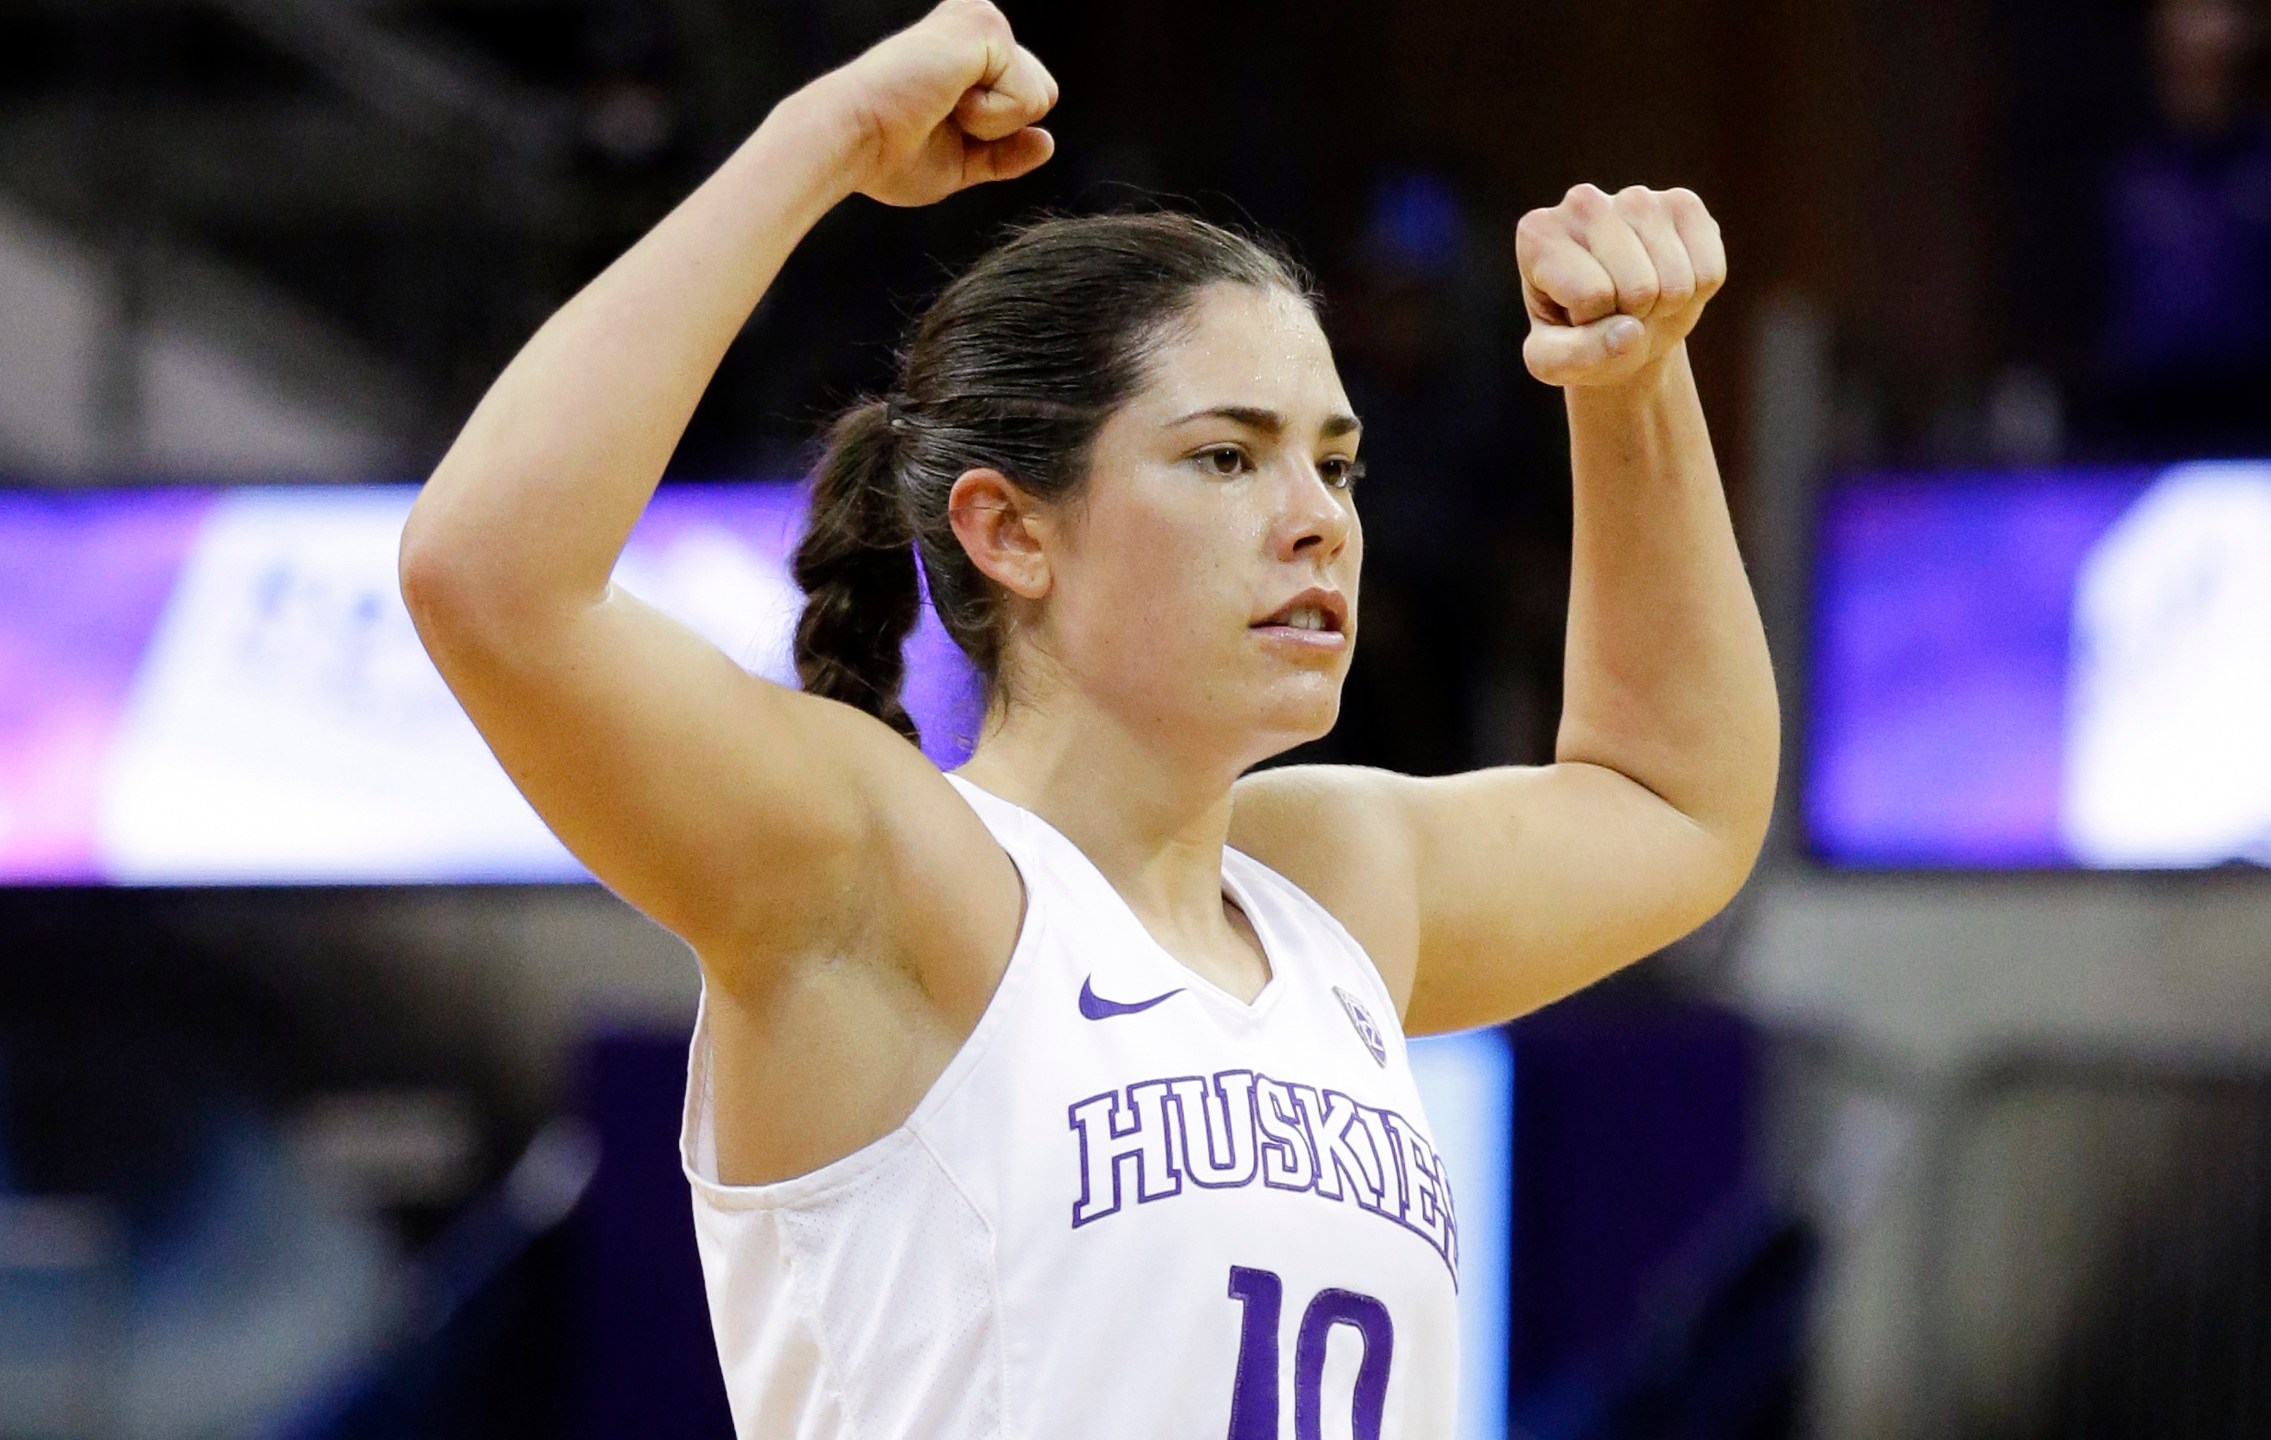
(947, 103)
(1614, 282)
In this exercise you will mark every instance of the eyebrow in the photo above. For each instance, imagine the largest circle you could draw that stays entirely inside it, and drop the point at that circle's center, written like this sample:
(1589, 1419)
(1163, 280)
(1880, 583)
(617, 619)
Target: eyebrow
(1269, 422)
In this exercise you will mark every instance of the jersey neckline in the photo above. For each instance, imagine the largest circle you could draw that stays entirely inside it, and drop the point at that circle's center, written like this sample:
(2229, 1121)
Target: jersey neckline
(1234, 888)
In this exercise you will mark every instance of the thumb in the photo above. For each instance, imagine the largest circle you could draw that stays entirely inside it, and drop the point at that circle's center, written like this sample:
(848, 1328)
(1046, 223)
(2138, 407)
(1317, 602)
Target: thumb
(1578, 354)
(987, 114)
(1008, 157)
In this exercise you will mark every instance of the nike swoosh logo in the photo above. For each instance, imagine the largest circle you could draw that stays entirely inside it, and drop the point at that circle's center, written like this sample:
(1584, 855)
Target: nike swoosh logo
(1095, 1007)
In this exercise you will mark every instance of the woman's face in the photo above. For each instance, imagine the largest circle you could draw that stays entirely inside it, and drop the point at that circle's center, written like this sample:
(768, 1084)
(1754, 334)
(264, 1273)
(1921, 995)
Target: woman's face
(1205, 582)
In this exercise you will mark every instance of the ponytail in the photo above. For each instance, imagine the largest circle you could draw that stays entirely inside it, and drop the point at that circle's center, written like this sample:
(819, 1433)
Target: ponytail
(856, 566)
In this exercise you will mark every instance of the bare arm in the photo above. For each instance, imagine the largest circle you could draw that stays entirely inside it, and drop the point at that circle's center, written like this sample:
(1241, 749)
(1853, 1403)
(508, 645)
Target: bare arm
(1487, 894)
(727, 808)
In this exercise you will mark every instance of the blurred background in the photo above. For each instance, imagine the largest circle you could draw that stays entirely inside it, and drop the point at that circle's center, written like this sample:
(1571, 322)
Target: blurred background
(333, 1104)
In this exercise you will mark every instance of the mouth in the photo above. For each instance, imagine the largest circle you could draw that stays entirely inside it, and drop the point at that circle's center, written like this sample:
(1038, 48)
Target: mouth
(1317, 618)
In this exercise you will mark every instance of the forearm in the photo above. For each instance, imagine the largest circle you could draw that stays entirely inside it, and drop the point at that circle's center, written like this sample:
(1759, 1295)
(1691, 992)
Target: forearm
(534, 501)
(1666, 678)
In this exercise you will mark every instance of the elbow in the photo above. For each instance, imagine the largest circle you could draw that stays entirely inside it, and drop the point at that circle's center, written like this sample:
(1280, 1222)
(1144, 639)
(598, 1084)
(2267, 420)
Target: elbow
(1732, 813)
(428, 575)
(1746, 841)
(1723, 854)
(1741, 811)
(1741, 827)
(473, 612)
(454, 605)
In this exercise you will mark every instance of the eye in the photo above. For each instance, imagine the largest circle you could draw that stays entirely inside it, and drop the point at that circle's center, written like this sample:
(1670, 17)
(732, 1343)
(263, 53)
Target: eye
(1226, 461)
(1341, 471)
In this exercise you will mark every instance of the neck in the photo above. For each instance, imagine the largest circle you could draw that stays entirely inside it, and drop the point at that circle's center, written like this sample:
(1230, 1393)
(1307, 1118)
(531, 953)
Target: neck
(1148, 812)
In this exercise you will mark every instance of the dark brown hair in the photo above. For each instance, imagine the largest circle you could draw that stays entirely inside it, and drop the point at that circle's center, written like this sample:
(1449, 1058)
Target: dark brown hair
(1015, 366)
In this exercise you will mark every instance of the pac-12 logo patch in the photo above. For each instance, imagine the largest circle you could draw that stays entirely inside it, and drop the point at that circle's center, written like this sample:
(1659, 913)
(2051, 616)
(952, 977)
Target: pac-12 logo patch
(1366, 1031)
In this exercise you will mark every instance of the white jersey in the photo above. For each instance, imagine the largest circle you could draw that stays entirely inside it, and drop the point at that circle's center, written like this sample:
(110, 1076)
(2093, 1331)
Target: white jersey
(1133, 1207)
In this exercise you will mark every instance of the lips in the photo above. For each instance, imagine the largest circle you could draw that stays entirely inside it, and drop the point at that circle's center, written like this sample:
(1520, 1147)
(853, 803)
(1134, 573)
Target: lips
(1315, 610)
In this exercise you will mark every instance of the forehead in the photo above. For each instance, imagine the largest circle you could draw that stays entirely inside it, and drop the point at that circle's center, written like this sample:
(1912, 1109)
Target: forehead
(1243, 345)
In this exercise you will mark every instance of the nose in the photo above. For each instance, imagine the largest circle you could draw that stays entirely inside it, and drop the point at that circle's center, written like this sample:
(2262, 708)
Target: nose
(1314, 519)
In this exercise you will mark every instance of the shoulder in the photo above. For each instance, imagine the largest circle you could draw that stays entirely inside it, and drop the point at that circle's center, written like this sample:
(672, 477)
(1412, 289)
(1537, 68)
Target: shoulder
(1340, 833)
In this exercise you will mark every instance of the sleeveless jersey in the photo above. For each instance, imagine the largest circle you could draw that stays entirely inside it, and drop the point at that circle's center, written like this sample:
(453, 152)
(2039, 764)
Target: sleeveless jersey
(1133, 1207)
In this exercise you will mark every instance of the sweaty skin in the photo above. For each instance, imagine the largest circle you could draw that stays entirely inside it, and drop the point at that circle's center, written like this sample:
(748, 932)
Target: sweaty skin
(850, 913)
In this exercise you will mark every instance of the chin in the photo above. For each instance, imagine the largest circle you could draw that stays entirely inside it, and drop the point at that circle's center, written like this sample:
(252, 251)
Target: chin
(1298, 718)
(1246, 722)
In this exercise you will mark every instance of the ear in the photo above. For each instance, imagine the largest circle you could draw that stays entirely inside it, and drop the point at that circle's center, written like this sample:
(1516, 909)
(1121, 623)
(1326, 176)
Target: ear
(1001, 527)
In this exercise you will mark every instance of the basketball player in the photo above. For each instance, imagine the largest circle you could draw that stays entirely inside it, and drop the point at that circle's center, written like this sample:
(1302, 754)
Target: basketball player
(1067, 1095)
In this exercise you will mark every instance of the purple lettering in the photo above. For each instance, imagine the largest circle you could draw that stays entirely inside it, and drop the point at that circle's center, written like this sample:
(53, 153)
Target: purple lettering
(1146, 1140)
(1218, 1149)
(1330, 1121)
(1287, 1161)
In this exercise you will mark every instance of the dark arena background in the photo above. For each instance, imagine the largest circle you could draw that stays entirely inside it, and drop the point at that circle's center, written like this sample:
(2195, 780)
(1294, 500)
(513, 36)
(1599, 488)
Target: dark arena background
(336, 1103)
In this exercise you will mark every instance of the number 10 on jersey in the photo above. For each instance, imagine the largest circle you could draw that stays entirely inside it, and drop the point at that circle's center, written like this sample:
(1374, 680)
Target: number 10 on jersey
(1254, 1396)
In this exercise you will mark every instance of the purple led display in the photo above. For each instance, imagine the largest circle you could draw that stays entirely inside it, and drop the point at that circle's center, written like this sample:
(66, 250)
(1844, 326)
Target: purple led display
(2002, 666)
(221, 685)
(82, 583)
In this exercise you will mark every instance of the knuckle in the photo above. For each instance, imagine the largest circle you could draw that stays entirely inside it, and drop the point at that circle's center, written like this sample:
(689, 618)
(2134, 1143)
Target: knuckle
(1638, 200)
(986, 15)
(1536, 237)
(1690, 208)
(1586, 200)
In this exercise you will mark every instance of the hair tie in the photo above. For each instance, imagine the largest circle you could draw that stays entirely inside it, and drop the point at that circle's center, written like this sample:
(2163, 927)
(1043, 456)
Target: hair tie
(893, 415)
